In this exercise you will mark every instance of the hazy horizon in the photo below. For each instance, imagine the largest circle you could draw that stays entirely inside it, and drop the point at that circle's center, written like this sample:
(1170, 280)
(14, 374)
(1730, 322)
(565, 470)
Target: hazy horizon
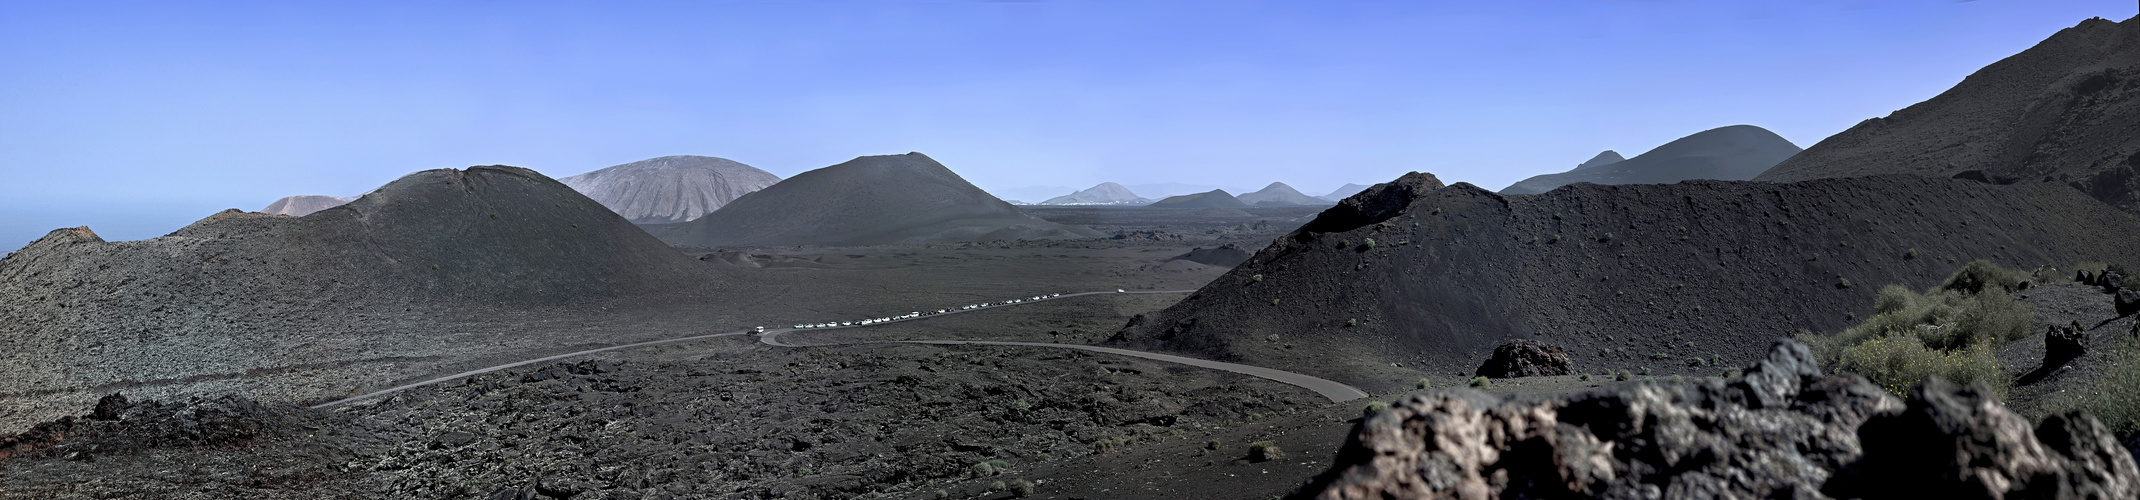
(138, 118)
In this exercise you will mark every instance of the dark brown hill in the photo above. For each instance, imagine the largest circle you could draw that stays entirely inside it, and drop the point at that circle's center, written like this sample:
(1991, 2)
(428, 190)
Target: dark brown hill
(870, 200)
(1733, 153)
(2067, 109)
(1216, 198)
(1695, 269)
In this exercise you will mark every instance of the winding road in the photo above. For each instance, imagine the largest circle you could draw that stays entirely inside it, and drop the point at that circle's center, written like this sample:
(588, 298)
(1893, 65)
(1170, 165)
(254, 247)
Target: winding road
(1336, 392)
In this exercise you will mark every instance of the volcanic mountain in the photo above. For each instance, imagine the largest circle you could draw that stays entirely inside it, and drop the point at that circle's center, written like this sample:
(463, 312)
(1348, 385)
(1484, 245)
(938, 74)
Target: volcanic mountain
(2066, 110)
(1602, 159)
(238, 291)
(302, 205)
(1733, 153)
(1216, 198)
(1433, 277)
(670, 189)
(1343, 192)
(1107, 193)
(870, 200)
(1279, 194)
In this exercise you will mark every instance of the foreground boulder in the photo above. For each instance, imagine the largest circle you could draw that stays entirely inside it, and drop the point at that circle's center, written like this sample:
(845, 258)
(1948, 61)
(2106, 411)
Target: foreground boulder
(1525, 358)
(1783, 431)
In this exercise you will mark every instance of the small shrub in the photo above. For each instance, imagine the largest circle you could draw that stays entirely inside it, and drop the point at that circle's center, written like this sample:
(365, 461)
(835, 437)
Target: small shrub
(1373, 407)
(1645, 371)
(1623, 376)
(1912, 254)
(1369, 243)
(1841, 282)
(1212, 444)
(1696, 361)
(1345, 243)
(1021, 488)
(1992, 316)
(1731, 373)
(1424, 383)
(1584, 377)
(1352, 322)
(1256, 278)
(1898, 362)
(1980, 274)
(1272, 337)
(1264, 450)
(997, 486)
(1676, 379)
(1274, 302)
(494, 216)
(1481, 382)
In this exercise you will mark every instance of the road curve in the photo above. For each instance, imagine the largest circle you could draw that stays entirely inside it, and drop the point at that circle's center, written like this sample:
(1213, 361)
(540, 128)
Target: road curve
(1336, 392)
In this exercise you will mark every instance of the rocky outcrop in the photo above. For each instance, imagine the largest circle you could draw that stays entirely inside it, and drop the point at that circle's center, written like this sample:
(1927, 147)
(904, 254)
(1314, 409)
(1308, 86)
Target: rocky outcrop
(1782, 430)
(1227, 255)
(2128, 301)
(2064, 344)
(117, 426)
(1525, 358)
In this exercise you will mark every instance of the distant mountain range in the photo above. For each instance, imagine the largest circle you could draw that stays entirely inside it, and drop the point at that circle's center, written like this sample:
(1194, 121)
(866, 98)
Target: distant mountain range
(1733, 153)
(1107, 193)
(670, 189)
(870, 200)
(1344, 192)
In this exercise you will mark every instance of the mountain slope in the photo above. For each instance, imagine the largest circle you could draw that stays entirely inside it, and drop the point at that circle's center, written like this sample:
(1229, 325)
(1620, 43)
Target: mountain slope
(2067, 109)
(1279, 194)
(1733, 153)
(670, 189)
(1343, 192)
(1106, 193)
(1216, 198)
(870, 200)
(1695, 269)
(1602, 159)
(302, 205)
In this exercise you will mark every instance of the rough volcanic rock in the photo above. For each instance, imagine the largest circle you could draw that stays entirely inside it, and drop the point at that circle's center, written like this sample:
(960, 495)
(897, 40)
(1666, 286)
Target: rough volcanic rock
(1216, 198)
(1524, 358)
(2111, 281)
(1733, 153)
(1699, 269)
(197, 422)
(1795, 433)
(670, 189)
(1107, 193)
(2067, 110)
(1227, 255)
(302, 205)
(870, 200)
(1955, 442)
(1278, 194)
(2063, 344)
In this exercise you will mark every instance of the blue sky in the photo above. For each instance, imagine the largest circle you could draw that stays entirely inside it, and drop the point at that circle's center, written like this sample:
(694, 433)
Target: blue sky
(137, 118)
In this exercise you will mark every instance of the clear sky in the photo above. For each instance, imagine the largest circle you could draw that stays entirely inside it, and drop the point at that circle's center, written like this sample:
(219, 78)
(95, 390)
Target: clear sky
(138, 118)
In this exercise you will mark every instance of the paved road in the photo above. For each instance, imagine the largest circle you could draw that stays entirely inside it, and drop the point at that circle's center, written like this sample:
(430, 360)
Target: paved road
(1335, 391)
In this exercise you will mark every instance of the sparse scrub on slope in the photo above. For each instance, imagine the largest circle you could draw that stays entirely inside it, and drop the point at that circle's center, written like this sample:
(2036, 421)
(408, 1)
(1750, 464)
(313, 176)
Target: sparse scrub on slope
(1948, 331)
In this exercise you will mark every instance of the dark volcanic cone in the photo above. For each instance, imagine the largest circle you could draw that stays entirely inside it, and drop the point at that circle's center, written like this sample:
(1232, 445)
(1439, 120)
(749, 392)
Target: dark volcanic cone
(1279, 194)
(670, 189)
(2067, 110)
(1106, 193)
(1216, 198)
(1602, 159)
(1733, 153)
(1695, 269)
(871, 200)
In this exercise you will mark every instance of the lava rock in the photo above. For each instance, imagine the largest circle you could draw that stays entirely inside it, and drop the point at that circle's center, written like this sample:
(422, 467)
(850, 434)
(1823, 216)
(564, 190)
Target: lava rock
(2128, 302)
(109, 407)
(2111, 280)
(1643, 440)
(1525, 358)
(2084, 277)
(2064, 344)
(1955, 442)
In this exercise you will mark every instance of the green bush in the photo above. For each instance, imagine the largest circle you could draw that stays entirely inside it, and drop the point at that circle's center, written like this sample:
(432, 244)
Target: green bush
(2113, 398)
(997, 486)
(1257, 278)
(1352, 322)
(1425, 383)
(1980, 274)
(1992, 316)
(1898, 362)
(1212, 444)
(1370, 244)
(1624, 375)
(1272, 337)
(1264, 450)
(1021, 488)
(989, 468)
(1481, 382)
(1373, 407)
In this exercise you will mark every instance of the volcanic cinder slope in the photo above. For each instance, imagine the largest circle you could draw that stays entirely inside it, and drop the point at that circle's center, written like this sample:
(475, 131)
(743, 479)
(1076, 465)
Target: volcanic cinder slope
(1107, 193)
(670, 189)
(1342, 192)
(871, 200)
(303, 205)
(1733, 153)
(2066, 110)
(1607, 157)
(1279, 194)
(238, 292)
(1216, 198)
(1699, 268)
